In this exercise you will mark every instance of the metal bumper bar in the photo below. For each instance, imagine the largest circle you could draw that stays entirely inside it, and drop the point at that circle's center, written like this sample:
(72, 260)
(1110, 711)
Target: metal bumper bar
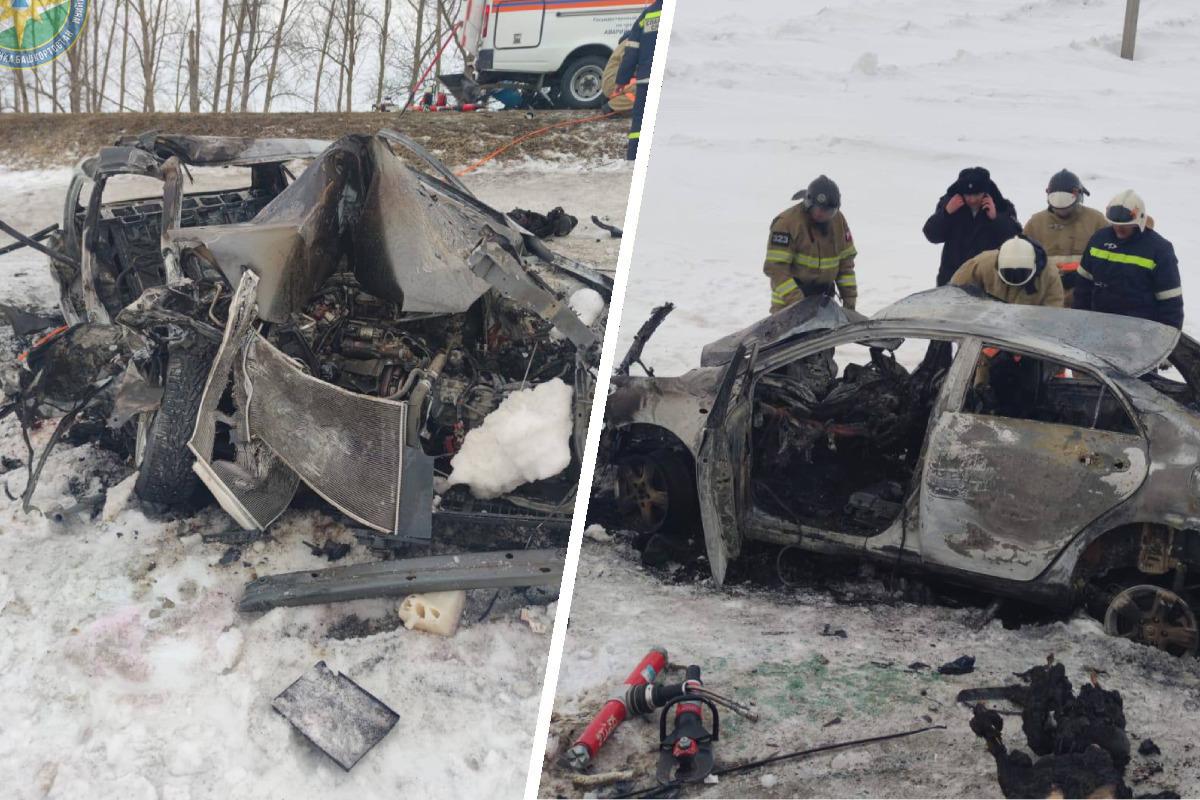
(401, 578)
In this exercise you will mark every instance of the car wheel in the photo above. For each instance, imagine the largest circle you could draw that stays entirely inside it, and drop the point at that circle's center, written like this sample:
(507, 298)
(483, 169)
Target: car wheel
(164, 461)
(1153, 616)
(581, 83)
(656, 493)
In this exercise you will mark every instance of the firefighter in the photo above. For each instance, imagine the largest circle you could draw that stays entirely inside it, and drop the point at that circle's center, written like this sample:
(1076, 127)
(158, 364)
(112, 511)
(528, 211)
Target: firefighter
(1129, 268)
(639, 55)
(972, 216)
(1065, 226)
(1016, 273)
(620, 98)
(810, 249)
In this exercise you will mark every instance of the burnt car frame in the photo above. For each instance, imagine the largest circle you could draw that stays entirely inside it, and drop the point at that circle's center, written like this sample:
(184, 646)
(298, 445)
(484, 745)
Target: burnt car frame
(1082, 487)
(370, 303)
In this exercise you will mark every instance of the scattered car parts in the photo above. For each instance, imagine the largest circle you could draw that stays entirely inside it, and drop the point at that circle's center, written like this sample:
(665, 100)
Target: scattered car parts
(340, 718)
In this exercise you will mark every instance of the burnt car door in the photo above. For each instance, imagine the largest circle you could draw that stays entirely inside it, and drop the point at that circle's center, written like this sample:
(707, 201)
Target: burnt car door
(723, 463)
(1032, 451)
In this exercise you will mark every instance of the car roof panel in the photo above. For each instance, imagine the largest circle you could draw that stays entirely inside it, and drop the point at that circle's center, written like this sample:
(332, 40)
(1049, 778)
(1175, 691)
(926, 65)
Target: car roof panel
(1131, 345)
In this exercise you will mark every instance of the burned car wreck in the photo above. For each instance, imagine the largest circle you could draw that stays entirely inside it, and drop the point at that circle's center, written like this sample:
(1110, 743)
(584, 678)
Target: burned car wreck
(1045, 455)
(345, 326)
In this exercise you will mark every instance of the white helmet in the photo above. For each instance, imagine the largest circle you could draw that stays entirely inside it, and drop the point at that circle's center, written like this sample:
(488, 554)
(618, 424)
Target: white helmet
(1017, 263)
(1126, 208)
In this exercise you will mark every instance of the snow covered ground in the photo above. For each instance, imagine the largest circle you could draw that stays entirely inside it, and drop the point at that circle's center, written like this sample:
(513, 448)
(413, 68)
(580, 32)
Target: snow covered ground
(125, 670)
(767, 647)
(890, 98)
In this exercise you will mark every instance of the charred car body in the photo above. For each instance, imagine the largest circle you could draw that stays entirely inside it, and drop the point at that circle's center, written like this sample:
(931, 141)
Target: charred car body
(344, 327)
(1035, 453)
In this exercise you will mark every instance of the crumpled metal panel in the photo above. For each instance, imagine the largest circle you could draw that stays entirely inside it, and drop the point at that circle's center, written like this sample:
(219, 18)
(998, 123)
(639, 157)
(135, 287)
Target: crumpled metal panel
(348, 447)
(1133, 346)
(413, 241)
(810, 314)
(226, 150)
(257, 487)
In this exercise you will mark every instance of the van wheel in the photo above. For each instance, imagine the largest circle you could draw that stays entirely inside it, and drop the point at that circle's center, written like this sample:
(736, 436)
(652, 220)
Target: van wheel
(1153, 616)
(581, 83)
(164, 461)
(656, 493)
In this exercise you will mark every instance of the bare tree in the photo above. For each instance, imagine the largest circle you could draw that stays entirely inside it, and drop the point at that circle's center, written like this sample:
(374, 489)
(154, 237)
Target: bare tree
(276, 46)
(151, 16)
(124, 53)
(253, 49)
(417, 52)
(326, 35)
(220, 55)
(383, 43)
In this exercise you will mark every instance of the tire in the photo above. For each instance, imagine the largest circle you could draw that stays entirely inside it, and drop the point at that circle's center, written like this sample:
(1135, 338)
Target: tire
(580, 84)
(666, 479)
(165, 473)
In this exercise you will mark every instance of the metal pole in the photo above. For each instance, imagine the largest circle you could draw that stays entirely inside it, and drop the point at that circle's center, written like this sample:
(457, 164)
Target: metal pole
(1130, 34)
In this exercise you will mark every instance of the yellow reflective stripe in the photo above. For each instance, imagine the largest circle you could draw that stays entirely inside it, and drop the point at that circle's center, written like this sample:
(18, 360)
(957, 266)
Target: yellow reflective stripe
(847, 280)
(1123, 258)
(1169, 293)
(812, 262)
(849, 252)
(652, 15)
(776, 256)
(635, 135)
(1083, 273)
(783, 290)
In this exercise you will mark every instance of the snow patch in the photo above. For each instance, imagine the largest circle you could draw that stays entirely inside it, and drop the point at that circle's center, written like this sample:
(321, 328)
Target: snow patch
(527, 438)
(588, 305)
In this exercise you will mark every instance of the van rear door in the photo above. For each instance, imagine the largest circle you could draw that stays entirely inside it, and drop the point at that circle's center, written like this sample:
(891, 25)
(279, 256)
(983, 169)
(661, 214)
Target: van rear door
(518, 23)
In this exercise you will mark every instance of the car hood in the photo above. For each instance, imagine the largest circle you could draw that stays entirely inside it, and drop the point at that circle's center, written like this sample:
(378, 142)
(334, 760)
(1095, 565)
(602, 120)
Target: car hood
(818, 313)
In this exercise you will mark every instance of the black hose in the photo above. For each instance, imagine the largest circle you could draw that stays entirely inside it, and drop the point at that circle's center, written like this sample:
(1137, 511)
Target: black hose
(647, 791)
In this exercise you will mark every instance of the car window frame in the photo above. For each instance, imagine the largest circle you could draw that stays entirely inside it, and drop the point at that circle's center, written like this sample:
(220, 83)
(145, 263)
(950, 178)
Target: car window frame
(979, 342)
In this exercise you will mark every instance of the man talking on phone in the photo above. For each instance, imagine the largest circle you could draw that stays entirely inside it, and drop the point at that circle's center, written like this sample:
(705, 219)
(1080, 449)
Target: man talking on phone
(971, 217)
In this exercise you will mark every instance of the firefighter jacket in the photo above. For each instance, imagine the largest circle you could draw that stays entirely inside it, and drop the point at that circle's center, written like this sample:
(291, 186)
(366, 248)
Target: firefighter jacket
(804, 258)
(982, 271)
(965, 235)
(620, 99)
(639, 46)
(1065, 239)
(1135, 277)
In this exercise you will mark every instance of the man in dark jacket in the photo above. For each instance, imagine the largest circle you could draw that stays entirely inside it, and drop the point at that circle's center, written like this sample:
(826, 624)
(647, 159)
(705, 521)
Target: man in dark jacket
(972, 216)
(1130, 269)
(639, 55)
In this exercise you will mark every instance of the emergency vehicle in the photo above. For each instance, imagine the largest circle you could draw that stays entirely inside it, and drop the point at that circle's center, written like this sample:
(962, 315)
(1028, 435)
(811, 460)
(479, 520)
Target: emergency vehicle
(556, 45)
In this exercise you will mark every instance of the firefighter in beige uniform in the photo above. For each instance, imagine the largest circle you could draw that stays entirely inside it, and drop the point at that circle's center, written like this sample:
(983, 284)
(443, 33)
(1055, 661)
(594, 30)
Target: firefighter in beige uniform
(1064, 227)
(810, 250)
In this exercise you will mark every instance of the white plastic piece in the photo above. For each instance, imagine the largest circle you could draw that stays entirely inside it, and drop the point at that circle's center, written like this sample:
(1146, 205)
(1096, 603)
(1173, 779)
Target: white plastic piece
(435, 612)
(117, 498)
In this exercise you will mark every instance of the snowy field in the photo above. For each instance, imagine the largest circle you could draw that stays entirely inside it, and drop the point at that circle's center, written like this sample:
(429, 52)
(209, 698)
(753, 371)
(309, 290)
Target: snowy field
(890, 98)
(125, 670)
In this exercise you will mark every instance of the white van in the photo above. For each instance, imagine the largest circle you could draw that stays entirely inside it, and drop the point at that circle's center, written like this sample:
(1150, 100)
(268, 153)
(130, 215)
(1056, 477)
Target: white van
(560, 45)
